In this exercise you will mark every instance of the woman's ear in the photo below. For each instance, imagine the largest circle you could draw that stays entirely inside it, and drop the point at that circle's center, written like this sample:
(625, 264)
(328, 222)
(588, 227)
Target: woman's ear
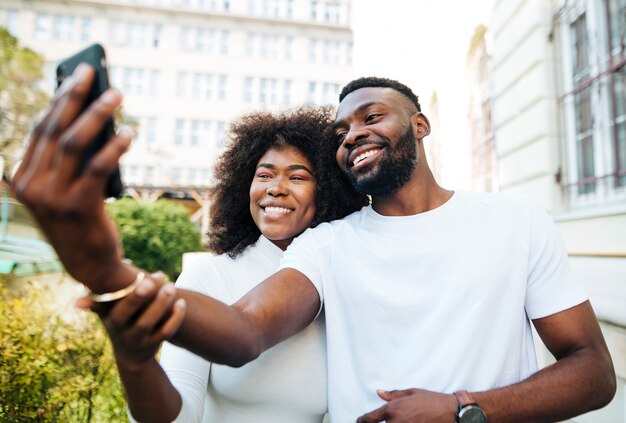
(421, 125)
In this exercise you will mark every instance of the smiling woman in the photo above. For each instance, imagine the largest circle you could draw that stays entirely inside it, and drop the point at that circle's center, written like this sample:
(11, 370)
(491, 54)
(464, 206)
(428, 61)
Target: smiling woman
(277, 177)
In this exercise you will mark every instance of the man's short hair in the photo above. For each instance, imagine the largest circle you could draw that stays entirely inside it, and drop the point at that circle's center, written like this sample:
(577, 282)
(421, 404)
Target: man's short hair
(375, 82)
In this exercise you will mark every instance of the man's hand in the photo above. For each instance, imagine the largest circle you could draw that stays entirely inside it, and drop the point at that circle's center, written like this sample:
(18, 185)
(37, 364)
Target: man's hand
(140, 322)
(68, 205)
(413, 406)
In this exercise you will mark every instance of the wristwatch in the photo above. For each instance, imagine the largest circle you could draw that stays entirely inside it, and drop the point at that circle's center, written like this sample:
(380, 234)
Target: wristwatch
(469, 411)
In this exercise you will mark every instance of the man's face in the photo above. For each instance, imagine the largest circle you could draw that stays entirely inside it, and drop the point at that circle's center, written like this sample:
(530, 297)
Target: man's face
(377, 148)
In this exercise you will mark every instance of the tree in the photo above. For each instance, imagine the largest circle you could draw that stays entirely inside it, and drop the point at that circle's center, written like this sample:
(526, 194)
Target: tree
(21, 100)
(155, 236)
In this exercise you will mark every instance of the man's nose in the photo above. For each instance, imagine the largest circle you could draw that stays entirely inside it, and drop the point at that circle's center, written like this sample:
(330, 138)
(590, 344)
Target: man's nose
(354, 135)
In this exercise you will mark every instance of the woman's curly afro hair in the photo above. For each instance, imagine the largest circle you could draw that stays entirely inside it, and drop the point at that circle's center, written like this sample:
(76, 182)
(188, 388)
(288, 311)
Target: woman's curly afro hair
(306, 128)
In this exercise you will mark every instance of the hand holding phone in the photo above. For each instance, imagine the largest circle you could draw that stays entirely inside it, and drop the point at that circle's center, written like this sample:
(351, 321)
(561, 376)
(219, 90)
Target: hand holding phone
(95, 57)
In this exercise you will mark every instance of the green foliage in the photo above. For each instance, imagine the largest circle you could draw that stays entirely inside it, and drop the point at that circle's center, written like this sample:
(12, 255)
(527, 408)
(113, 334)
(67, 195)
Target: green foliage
(20, 97)
(55, 369)
(156, 235)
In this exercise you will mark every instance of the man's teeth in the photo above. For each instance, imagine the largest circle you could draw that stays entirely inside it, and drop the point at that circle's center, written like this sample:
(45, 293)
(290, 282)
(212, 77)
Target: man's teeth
(364, 156)
(277, 210)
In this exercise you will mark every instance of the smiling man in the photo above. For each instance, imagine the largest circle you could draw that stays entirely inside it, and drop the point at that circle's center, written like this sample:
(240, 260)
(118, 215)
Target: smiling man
(429, 294)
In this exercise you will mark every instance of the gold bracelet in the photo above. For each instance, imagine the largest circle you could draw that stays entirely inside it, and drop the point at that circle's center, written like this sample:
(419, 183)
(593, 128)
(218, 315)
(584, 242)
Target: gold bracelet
(116, 295)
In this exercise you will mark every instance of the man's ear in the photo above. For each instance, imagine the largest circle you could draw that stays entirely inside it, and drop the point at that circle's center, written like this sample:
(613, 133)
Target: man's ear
(421, 125)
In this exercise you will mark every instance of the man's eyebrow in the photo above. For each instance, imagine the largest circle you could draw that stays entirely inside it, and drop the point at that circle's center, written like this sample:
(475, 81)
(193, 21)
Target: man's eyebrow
(358, 109)
(290, 167)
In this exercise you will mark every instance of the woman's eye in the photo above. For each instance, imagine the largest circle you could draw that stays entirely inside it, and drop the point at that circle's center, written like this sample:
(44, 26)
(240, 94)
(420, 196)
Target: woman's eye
(340, 136)
(263, 176)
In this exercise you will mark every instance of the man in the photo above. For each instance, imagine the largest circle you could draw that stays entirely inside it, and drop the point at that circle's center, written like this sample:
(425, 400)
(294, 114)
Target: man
(427, 291)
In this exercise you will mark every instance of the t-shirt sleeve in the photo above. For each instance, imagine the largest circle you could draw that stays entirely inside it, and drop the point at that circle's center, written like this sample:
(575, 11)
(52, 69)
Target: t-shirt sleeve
(304, 256)
(551, 287)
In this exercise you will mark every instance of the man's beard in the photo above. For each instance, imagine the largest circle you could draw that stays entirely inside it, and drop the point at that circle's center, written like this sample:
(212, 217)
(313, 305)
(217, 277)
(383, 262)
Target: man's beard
(394, 169)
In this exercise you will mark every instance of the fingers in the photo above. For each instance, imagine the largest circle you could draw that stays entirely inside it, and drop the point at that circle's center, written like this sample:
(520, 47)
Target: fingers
(105, 162)
(394, 394)
(156, 311)
(82, 133)
(66, 105)
(122, 312)
(171, 325)
(378, 415)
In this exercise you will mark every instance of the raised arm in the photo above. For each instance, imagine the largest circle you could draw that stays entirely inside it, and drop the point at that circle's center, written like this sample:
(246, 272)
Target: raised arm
(69, 209)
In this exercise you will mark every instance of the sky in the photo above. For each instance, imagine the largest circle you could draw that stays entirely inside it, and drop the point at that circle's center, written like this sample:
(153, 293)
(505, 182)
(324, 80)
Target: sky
(424, 43)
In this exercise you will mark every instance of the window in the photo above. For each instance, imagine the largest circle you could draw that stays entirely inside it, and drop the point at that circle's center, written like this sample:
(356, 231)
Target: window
(148, 175)
(199, 132)
(154, 83)
(593, 100)
(202, 86)
(313, 50)
(221, 88)
(176, 173)
(224, 42)
(331, 12)
(220, 134)
(12, 22)
(146, 132)
(182, 84)
(287, 92)
(314, 13)
(85, 29)
(43, 27)
(192, 175)
(247, 89)
(63, 29)
(156, 35)
(117, 33)
(137, 34)
(181, 132)
(288, 48)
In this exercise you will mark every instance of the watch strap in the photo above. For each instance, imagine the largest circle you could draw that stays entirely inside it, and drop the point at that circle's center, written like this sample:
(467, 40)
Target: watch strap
(464, 398)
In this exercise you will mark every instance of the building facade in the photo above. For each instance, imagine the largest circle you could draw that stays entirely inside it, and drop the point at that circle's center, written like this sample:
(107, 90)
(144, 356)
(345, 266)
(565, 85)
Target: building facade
(188, 67)
(559, 118)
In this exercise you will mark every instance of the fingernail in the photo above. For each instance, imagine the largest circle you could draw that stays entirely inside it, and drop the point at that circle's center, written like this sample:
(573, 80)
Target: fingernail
(144, 287)
(168, 289)
(110, 96)
(127, 131)
(180, 303)
(81, 71)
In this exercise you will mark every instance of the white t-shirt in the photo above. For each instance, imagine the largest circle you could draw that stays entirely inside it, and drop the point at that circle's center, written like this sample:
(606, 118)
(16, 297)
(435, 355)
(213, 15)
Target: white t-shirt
(286, 384)
(438, 300)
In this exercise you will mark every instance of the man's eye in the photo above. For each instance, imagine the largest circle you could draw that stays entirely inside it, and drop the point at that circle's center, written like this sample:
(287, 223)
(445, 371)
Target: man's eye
(371, 116)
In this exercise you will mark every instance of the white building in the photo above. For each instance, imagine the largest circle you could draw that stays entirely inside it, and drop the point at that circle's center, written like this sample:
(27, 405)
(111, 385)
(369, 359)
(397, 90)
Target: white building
(187, 67)
(559, 120)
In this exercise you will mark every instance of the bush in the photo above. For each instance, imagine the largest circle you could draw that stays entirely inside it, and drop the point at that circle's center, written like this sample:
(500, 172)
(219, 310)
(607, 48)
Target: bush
(55, 369)
(155, 236)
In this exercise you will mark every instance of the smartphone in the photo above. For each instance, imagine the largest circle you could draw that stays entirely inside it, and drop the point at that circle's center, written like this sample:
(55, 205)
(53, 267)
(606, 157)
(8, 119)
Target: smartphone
(94, 56)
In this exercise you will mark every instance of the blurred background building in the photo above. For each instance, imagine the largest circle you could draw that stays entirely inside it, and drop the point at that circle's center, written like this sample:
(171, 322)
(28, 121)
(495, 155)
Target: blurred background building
(187, 67)
(557, 103)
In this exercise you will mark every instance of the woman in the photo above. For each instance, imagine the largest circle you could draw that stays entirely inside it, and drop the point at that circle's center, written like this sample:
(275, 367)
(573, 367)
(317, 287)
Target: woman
(276, 179)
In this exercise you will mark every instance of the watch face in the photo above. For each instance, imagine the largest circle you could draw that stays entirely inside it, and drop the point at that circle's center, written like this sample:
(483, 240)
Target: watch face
(472, 414)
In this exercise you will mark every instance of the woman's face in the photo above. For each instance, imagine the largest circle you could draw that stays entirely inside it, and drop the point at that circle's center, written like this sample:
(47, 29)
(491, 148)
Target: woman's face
(282, 194)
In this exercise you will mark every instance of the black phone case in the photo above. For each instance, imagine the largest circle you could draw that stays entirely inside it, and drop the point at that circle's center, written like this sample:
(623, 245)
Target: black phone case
(94, 56)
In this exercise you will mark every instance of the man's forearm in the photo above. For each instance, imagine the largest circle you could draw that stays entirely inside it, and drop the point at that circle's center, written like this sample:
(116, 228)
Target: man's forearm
(578, 383)
(217, 332)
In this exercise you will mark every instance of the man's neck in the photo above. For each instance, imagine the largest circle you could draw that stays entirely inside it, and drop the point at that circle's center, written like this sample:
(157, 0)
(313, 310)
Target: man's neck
(420, 194)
